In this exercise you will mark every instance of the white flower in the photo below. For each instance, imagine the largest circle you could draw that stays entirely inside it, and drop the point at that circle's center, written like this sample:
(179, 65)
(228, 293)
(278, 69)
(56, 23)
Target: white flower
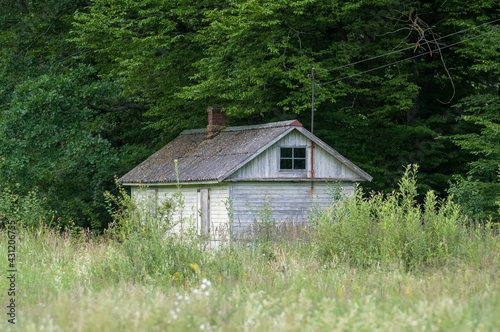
(203, 286)
(208, 283)
(202, 327)
(207, 293)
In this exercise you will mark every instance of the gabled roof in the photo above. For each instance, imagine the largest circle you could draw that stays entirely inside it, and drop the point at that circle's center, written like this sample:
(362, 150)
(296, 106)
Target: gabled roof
(214, 159)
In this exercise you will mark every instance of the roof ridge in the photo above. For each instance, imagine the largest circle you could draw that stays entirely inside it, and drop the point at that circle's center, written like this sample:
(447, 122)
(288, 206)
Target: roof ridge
(286, 123)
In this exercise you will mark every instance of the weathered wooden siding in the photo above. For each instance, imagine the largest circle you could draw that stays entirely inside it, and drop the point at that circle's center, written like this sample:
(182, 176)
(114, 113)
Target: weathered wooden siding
(327, 166)
(266, 165)
(288, 201)
(218, 195)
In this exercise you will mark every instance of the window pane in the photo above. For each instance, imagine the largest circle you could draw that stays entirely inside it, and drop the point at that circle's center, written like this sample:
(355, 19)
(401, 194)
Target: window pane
(286, 164)
(299, 152)
(286, 152)
(299, 164)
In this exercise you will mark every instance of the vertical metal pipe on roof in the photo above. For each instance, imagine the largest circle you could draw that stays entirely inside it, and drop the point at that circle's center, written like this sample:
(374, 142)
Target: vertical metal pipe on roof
(313, 72)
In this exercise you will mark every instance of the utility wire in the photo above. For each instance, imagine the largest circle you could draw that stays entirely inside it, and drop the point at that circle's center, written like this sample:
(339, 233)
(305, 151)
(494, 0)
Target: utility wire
(408, 48)
(410, 58)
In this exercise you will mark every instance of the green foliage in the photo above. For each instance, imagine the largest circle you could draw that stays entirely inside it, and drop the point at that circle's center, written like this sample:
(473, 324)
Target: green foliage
(154, 236)
(148, 47)
(394, 229)
(62, 128)
(26, 211)
(480, 191)
(50, 137)
(477, 199)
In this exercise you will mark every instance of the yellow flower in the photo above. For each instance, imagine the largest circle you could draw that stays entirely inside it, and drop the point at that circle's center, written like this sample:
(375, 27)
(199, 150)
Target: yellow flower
(194, 267)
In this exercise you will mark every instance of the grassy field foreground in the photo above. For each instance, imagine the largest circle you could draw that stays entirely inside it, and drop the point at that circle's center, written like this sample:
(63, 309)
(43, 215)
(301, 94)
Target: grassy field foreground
(75, 285)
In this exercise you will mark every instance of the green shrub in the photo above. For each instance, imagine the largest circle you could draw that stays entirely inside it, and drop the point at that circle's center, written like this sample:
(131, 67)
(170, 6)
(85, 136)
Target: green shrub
(393, 229)
(147, 236)
(26, 211)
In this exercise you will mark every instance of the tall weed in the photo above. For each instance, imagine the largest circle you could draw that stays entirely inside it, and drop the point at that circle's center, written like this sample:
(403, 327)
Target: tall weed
(147, 237)
(394, 229)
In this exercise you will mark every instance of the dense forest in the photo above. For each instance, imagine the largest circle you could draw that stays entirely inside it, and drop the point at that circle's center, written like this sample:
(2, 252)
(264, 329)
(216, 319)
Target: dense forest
(88, 89)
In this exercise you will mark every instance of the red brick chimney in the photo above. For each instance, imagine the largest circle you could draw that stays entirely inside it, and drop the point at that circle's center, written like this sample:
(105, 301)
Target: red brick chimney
(216, 120)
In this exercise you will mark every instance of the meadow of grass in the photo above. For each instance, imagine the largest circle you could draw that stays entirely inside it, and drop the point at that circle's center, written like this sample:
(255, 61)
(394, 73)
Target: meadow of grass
(377, 264)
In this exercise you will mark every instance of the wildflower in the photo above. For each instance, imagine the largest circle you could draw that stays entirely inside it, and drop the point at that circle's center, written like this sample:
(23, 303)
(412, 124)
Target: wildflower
(202, 327)
(194, 267)
(207, 293)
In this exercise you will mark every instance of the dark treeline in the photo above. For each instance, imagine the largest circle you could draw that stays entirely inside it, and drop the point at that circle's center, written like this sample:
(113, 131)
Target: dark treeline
(89, 89)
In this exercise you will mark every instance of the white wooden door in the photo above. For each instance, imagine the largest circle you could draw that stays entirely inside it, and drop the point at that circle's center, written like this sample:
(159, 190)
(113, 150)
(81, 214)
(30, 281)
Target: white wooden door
(204, 211)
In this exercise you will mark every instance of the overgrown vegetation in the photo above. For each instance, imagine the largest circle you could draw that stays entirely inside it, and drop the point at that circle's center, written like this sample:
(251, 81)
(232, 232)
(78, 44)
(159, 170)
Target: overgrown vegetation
(395, 229)
(377, 263)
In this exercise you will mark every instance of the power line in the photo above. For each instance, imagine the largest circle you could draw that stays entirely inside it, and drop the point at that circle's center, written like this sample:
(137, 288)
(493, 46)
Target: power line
(408, 48)
(410, 58)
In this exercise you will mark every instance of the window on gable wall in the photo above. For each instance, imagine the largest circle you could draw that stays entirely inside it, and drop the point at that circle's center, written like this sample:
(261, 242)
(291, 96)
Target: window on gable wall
(292, 158)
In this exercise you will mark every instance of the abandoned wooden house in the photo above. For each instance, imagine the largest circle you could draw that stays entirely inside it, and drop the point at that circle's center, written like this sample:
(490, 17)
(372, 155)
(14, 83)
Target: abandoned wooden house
(227, 175)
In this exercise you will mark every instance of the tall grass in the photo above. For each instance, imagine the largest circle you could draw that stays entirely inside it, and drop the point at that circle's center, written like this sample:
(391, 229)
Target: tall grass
(395, 230)
(68, 284)
(379, 264)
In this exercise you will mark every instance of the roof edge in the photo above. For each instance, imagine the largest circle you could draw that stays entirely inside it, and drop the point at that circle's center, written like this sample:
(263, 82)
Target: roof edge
(295, 180)
(155, 184)
(287, 123)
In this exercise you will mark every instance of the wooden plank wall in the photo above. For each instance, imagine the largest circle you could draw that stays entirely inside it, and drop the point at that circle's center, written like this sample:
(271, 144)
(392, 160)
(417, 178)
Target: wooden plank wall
(266, 165)
(190, 215)
(288, 201)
